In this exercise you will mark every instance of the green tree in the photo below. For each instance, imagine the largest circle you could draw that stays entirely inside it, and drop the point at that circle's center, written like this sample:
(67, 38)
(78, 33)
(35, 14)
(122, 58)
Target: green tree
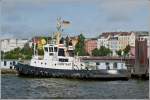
(26, 52)
(119, 52)
(95, 52)
(13, 54)
(126, 50)
(79, 48)
(103, 51)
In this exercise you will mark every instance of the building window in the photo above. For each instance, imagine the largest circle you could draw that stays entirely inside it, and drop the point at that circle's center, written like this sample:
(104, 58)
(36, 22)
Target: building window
(115, 65)
(10, 63)
(51, 49)
(5, 63)
(14, 62)
(55, 49)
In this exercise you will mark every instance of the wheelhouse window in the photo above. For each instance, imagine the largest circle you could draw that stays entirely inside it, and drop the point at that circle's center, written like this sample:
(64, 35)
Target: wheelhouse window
(61, 52)
(50, 49)
(55, 49)
(46, 49)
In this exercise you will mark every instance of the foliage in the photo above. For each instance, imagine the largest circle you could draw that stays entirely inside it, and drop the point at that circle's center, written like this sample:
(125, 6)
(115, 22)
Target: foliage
(126, 50)
(119, 52)
(24, 53)
(103, 51)
(79, 48)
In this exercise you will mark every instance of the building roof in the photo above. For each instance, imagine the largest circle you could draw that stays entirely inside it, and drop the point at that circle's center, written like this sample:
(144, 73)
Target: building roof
(113, 38)
(125, 33)
(106, 34)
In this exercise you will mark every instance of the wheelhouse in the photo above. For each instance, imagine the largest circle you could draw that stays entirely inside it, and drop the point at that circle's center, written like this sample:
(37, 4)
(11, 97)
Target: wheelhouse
(50, 49)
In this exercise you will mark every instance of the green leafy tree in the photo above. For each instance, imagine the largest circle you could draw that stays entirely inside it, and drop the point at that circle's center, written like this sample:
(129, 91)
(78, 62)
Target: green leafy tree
(79, 48)
(24, 53)
(103, 51)
(126, 50)
(13, 54)
(95, 52)
(119, 52)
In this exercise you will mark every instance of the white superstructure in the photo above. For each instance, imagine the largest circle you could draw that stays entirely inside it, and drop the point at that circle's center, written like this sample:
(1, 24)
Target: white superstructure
(57, 57)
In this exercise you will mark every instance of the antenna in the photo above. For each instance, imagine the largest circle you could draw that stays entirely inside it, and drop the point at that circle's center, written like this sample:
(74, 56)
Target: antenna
(34, 46)
(59, 24)
(0, 52)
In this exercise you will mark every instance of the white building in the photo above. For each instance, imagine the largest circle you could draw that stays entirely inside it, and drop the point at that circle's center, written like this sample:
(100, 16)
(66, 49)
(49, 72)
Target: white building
(132, 39)
(103, 41)
(116, 40)
(10, 44)
(113, 44)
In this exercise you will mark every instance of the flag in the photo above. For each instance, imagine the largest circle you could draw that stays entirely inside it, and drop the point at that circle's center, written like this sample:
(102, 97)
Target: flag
(65, 23)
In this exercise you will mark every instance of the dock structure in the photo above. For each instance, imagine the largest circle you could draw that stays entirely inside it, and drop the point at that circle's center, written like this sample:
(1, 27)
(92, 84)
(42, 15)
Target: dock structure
(141, 58)
(133, 64)
(130, 61)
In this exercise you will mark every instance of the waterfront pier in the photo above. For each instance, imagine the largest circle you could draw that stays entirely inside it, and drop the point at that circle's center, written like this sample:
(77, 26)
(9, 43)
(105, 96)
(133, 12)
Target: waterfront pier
(133, 66)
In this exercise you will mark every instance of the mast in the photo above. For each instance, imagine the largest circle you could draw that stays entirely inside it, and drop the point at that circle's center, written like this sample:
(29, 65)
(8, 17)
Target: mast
(0, 52)
(34, 48)
(57, 35)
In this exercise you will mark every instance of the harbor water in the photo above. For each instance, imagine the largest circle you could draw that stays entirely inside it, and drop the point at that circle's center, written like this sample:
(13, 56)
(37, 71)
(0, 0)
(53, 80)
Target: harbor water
(14, 87)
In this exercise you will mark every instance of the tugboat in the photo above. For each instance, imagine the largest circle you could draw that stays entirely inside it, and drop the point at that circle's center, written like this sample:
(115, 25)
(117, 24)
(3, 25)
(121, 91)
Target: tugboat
(59, 61)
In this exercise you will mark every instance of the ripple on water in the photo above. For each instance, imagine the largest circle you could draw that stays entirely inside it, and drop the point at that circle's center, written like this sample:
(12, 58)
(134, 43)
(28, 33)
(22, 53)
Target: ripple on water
(14, 87)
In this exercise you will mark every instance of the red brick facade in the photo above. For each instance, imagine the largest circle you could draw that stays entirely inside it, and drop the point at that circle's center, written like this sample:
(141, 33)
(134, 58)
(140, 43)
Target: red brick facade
(90, 45)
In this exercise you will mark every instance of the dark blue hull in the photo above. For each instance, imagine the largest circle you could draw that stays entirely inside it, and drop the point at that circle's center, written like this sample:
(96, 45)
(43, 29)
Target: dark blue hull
(31, 71)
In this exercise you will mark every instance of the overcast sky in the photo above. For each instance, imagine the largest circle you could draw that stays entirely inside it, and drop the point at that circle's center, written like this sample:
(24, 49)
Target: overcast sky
(26, 18)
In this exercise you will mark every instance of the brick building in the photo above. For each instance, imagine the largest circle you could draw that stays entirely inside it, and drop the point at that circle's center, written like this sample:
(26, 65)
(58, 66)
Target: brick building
(90, 44)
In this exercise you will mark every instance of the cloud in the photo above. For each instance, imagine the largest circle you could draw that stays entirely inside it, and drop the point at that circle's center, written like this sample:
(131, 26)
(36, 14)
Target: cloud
(114, 11)
(121, 10)
(117, 10)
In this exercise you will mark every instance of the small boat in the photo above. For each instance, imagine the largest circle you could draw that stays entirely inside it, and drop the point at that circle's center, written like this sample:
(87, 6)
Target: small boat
(59, 61)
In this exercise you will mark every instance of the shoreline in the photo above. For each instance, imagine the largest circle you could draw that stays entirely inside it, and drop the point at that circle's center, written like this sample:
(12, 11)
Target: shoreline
(8, 71)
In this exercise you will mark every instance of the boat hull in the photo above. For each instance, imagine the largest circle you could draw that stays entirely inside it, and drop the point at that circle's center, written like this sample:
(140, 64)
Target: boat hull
(31, 71)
